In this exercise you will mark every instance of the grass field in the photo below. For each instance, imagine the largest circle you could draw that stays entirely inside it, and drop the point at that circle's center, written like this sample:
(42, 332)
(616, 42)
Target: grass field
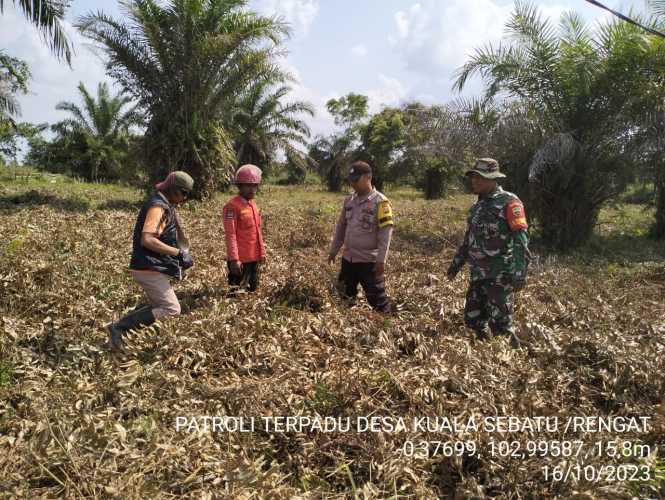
(76, 421)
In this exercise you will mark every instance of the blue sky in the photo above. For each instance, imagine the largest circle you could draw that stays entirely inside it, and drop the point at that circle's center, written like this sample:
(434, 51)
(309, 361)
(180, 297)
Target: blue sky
(390, 50)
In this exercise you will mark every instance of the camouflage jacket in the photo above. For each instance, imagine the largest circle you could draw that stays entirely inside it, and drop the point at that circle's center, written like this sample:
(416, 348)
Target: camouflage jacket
(496, 239)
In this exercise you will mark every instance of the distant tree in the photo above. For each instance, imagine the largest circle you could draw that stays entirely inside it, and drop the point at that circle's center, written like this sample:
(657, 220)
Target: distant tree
(14, 76)
(382, 138)
(264, 123)
(296, 170)
(94, 142)
(332, 155)
(653, 132)
(438, 142)
(12, 133)
(348, 111)
(658, 229)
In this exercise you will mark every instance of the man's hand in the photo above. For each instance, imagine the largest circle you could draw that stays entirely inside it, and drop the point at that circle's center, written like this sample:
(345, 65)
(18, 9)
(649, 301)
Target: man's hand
(379, 268)
(185, 258)
(452, 272)
(331, 259)
(236, 267)
(262, 259)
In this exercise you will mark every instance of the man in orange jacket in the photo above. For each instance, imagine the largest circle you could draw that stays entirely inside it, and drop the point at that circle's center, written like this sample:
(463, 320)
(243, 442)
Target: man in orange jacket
(242, 228)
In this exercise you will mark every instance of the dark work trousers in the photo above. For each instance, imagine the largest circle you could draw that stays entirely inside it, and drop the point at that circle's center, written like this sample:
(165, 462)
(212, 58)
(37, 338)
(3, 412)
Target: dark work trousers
(353, 273)
(249, 279)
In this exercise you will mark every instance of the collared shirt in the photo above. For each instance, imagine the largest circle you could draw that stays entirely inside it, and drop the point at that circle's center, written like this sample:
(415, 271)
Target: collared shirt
(242, 230)
(364, 227)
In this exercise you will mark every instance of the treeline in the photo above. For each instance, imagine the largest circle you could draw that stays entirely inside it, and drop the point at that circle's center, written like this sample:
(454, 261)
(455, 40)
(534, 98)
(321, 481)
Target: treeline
(199, 88)
(573, 113)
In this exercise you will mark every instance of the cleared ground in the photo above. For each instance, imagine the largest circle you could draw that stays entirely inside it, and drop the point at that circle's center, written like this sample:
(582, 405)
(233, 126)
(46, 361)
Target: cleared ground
(76, 421)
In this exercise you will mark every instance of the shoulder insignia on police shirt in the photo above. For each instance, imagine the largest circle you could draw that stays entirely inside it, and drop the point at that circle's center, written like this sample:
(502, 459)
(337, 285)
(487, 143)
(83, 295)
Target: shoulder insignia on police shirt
(385, 214)
(515, 216)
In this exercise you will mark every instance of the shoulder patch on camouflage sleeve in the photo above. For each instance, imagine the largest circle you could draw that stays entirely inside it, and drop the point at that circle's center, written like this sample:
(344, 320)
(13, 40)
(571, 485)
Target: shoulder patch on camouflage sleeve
(515, 216)
(384, 214)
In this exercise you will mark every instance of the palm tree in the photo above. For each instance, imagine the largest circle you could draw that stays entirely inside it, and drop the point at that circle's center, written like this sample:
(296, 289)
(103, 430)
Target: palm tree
(47, 16)
(14, 75)
(264, 124)
(332, 154)
(437, 143)
(654, 139)
(586, 86)
(184, 62)
(100, 130)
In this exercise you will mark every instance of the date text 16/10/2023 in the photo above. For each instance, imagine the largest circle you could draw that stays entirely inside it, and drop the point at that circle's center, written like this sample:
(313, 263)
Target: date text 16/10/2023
(556, 449)
(598, 473)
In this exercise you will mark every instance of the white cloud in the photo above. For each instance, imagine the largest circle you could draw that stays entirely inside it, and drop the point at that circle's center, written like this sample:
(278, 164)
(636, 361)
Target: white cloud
(391, 92)
(52, 80)
(404, 20)
(435, 36)
(298, 13)
(359, 50)
(322, 123)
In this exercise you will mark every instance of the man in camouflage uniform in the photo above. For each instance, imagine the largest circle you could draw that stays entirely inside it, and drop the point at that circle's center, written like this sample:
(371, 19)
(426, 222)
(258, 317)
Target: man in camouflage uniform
(496, 247)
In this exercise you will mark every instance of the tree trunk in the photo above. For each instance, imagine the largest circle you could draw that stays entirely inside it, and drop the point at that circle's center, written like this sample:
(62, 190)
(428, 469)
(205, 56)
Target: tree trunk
(565, 196)
(568, 223)
(658, 229)
(241, 154)
(209, 159)
(334, 178)
(435, 184)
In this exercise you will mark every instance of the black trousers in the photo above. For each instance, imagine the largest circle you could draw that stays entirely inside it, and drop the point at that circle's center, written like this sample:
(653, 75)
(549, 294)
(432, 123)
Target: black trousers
(354, 273)
(249, 278)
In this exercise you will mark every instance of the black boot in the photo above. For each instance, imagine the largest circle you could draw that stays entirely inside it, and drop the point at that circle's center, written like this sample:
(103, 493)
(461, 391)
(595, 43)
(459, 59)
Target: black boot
(139, 307)
(483, 334)
(137, 319)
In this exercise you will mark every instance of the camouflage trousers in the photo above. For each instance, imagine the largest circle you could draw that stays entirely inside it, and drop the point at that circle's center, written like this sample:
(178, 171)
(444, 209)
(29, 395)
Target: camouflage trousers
(489, 302)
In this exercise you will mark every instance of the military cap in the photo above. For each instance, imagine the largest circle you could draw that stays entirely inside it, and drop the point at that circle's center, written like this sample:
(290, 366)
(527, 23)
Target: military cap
(487, 168)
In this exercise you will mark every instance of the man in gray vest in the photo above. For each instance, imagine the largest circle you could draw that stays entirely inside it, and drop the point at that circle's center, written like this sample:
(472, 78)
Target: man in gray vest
(160, 252)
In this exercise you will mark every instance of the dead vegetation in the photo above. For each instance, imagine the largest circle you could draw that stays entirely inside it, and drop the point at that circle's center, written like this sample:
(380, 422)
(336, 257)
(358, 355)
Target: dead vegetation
(78, 422)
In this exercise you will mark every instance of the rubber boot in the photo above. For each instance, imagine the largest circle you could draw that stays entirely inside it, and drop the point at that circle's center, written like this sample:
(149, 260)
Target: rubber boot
(137, 319)
(483, 334)
(513, 339)
(139, 307)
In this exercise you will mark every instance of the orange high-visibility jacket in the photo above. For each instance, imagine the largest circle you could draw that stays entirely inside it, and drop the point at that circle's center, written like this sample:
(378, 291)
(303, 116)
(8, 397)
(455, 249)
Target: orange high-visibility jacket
(242, 228)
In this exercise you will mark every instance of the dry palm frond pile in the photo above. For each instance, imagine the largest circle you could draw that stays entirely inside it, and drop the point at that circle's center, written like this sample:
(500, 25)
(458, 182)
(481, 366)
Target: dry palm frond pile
(78, 421)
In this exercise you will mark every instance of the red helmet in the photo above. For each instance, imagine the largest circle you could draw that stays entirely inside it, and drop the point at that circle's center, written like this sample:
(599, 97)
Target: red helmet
(248, 174)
